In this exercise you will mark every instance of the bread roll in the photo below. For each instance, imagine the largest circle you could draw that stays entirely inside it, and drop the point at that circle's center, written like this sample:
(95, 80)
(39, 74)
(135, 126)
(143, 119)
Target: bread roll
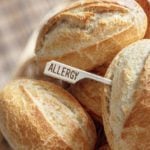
(90, 32)
(146, 6)
(39, 115)
(125, 105)
(88, 93)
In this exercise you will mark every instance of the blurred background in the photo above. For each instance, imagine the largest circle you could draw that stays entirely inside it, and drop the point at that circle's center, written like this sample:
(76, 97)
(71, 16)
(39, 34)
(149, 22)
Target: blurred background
(18, 19)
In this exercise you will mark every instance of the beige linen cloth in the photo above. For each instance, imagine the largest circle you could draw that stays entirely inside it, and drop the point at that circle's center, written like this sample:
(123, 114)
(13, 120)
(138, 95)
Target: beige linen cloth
(18, 19)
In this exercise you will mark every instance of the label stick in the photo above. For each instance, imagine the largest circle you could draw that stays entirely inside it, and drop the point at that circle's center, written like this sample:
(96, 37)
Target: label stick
(70, 74)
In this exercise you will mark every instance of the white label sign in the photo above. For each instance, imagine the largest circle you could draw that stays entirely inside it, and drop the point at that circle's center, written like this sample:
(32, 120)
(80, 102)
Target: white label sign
(70, 74)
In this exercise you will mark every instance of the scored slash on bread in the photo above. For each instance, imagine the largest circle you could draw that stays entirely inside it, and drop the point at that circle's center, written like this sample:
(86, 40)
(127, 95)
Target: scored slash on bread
(90, 33)
(40, 115)
(125, 105)
(85, 35)
(137, 124)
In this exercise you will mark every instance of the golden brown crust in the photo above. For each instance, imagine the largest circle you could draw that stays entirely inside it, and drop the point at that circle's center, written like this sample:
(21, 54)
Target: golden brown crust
(80, 4)
(146, 6)
(105, 47)
(98, 58)
(132, 125)
(25, 122)
(89, 93)
(137, 126)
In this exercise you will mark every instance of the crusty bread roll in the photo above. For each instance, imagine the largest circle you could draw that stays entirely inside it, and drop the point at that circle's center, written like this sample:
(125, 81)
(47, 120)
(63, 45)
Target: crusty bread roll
(125, 105)
(146, 6)
(39, 115)
(88, 93)
(90, 32)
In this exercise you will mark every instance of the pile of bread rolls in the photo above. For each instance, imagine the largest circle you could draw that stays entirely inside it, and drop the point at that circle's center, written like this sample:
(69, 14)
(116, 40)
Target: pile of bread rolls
(104, 37)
